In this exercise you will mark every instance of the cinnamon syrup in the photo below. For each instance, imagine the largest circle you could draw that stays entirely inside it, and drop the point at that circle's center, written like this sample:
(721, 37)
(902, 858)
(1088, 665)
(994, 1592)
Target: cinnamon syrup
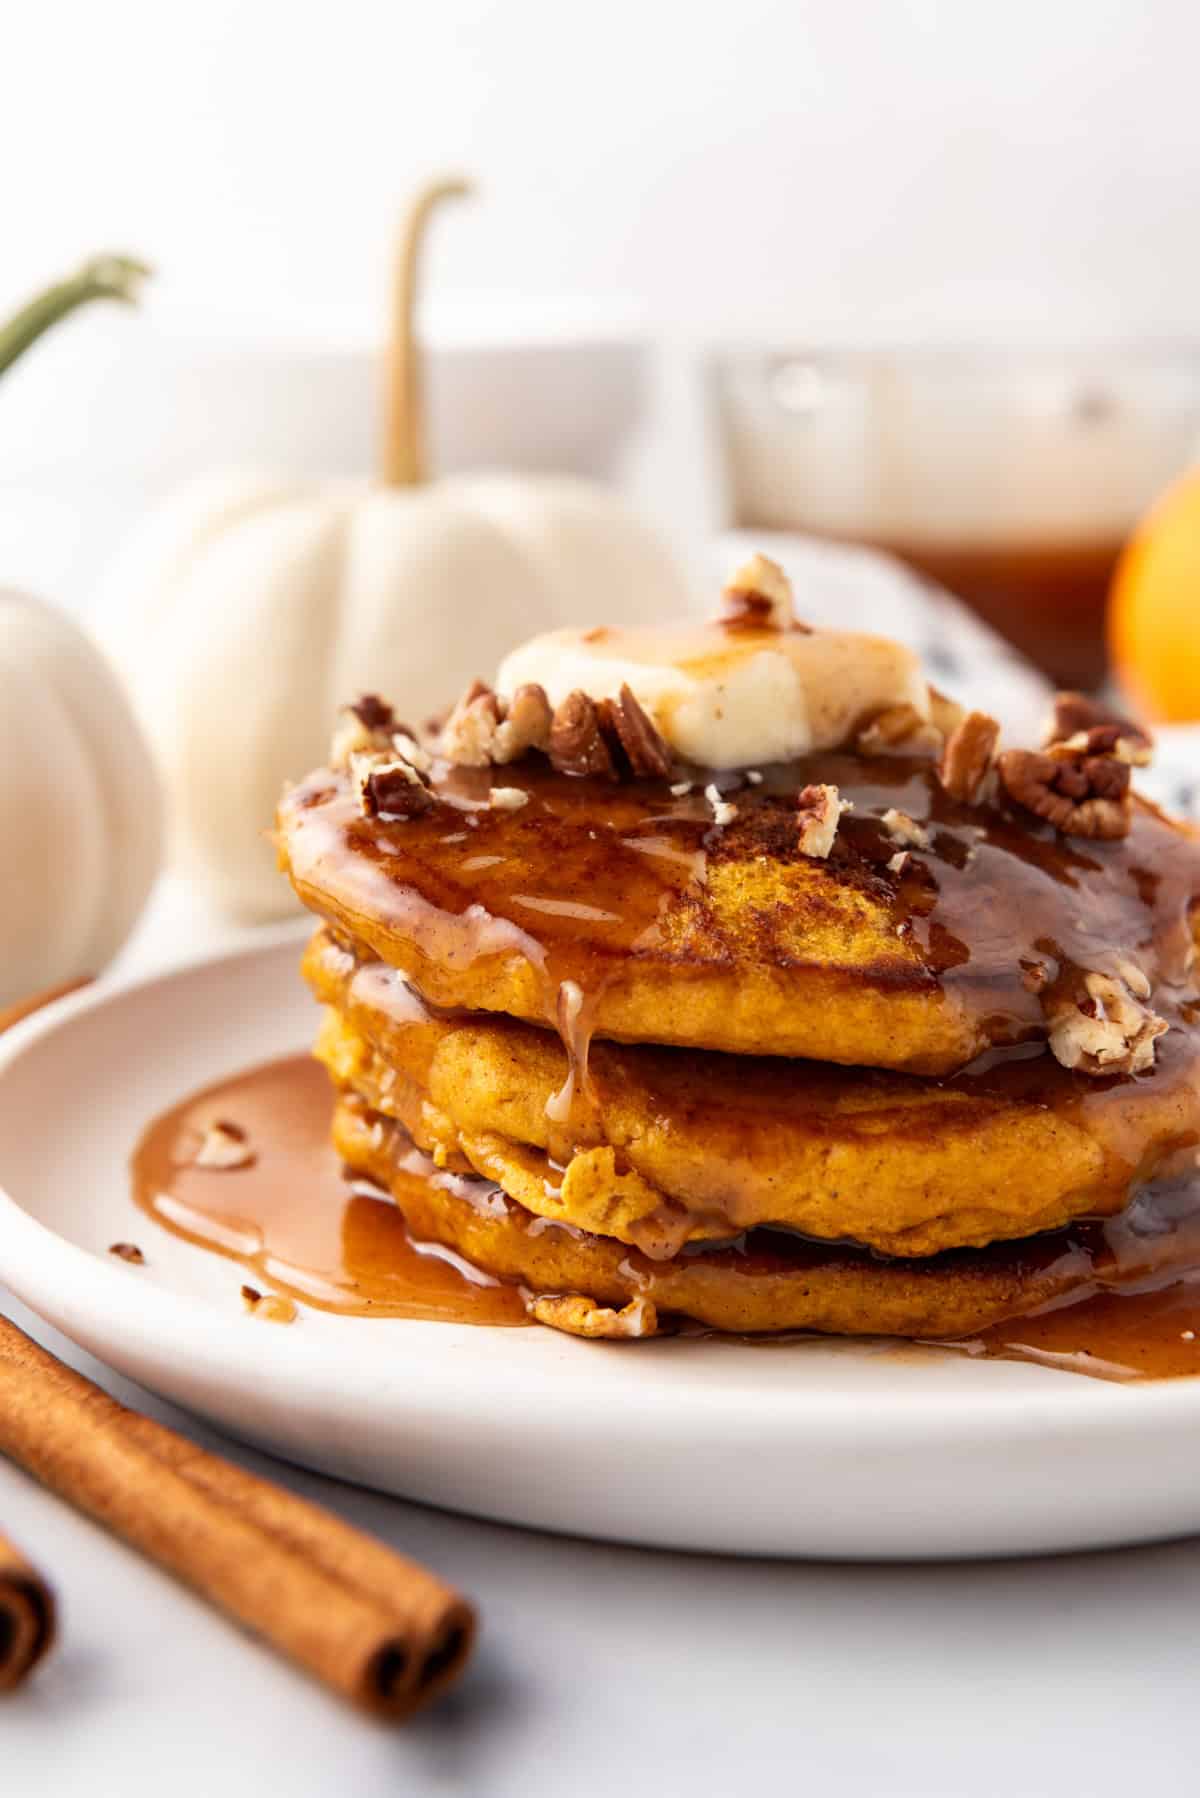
(576, 882)
(338, 1243)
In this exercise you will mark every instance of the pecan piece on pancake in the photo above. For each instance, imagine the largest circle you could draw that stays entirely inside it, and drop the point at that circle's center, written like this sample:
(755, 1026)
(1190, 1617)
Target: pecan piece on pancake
(644, 746)
(579, 1316)
(469, 733)
(818, 811)
(577, 744)
(945, 712)
(723, 810)
(1087, 725)
(1081, 795)
(365, 728)
(968, 756)
(1107, 1029)
(899, 730)
(391, 788)
(904, 829)
(524, 724)
(759, 598)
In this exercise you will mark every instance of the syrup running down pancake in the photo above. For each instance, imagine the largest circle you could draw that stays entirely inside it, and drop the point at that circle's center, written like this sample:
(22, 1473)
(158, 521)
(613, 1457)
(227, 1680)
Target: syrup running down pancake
(682, 1145)
(734, 975)
(680, 931)
(765, 1281)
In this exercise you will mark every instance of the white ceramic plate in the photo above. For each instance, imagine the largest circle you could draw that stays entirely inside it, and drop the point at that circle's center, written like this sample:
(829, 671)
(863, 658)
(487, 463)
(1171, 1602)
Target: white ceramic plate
(825, 1449)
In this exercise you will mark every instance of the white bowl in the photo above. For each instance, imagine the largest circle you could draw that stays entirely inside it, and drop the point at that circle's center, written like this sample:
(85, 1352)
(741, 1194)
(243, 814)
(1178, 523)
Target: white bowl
(119, 405)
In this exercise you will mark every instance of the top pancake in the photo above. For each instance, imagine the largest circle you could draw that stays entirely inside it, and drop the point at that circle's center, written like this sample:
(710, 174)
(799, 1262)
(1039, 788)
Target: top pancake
(678, 930)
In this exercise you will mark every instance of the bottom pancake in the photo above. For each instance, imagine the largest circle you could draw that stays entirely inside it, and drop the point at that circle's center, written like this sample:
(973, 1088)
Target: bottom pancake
(767, 1281)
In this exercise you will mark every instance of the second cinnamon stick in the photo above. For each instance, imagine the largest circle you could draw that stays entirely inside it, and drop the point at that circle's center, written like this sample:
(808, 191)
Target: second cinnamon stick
(26, 1616)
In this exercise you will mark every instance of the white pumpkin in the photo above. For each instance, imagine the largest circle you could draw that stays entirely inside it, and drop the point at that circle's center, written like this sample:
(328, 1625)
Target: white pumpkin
(249, 609)
(80, 807)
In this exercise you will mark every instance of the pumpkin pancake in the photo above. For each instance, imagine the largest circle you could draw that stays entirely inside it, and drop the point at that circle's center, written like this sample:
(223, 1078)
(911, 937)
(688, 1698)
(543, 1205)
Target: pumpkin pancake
(672, 1145)
(766, 1281)
(694, 918)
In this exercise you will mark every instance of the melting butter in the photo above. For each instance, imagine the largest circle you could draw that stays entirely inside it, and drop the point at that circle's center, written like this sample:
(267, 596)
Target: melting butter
(730, 698)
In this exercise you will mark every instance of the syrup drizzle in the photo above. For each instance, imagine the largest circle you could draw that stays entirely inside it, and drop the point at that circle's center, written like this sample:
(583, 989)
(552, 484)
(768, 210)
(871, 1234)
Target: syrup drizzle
(293, 1217)
(576, 883)
(339, 1244)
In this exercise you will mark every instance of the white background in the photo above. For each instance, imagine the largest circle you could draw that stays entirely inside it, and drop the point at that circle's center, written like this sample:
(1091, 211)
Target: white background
(848, 168)
(852, 167)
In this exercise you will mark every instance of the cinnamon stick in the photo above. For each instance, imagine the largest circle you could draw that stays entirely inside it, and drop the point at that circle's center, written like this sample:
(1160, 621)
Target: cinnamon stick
(26, 1616)
(381, 1630)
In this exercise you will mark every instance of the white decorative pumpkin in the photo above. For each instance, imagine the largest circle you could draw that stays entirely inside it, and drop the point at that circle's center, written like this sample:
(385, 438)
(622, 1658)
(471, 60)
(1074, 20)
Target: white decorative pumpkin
(248, 609)
(80, 807)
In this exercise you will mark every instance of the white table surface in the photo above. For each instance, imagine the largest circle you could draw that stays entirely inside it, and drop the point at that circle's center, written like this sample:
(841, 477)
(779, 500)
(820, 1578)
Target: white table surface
(608, 1670)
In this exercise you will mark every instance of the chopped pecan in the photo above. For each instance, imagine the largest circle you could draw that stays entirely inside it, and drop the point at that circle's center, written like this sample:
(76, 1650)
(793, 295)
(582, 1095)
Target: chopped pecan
(524, 725)
(127, 1251)
(759, 597)
(363, 728)
(900, 729)
(272, 1307)
(577, 745)
(394, 789)
(1035, 975)
(224, 1147)
(723, 810)
(507, 799)
(968, 756)
(903, 829)
(645, 748)
(1085, 724)
(412, 752)
(374, 713)
(1135, 978)
(469, 733)
(1106, 1029)
(579, 1316)
(819, 810)
(946, 713)
(1081, 795)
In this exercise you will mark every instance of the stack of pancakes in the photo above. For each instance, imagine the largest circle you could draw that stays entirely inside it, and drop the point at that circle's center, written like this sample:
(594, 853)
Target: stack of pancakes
(638, 1041)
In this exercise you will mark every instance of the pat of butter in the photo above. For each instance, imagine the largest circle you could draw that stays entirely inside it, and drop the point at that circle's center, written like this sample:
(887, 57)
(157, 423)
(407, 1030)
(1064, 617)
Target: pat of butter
(729, 698)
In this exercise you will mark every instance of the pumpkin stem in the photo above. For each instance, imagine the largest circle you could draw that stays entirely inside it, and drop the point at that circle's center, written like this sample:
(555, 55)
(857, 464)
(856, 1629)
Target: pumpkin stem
(103, 278)
(404, 414)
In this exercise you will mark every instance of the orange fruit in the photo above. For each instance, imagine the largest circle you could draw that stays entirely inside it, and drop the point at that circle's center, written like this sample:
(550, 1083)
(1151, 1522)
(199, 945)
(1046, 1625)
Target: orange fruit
(1154, 608)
